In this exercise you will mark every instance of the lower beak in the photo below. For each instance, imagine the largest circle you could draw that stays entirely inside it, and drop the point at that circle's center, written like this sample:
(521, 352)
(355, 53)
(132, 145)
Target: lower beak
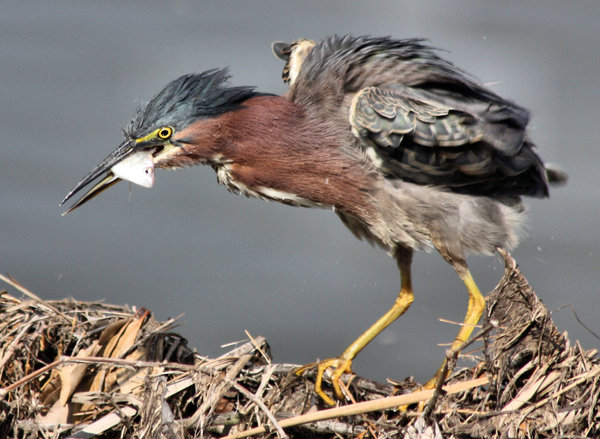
(123, 150)
(100, 187)
(124, 163)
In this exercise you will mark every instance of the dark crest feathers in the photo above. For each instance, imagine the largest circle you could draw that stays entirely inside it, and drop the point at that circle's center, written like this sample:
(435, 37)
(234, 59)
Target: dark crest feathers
(186, 99)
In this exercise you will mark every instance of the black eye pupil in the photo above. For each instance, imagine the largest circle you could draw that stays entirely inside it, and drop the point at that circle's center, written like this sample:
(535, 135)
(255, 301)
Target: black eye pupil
(164, 133)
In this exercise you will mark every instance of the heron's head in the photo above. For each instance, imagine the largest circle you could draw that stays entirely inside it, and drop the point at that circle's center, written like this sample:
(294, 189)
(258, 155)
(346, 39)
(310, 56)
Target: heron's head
(158, 136)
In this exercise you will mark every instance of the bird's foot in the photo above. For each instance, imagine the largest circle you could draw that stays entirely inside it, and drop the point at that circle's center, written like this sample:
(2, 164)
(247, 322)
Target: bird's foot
(418, 406)
(340, 365)
(433, 383)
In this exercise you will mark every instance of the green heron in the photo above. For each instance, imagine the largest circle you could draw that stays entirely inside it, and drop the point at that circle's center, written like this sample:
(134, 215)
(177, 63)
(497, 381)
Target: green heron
(408, 150)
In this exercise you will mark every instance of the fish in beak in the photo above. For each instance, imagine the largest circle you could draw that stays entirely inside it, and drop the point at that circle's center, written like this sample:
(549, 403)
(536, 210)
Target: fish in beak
(124, 163)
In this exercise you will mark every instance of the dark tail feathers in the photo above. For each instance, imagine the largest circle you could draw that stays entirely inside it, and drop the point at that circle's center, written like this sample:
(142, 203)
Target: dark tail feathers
(555, 175)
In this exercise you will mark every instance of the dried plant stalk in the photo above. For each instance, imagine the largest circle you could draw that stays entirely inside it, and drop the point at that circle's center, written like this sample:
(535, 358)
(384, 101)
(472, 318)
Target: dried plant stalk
(83, 370)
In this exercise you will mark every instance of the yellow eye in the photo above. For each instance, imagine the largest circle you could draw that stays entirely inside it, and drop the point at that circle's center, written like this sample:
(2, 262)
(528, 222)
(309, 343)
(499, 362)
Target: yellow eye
(165, 133)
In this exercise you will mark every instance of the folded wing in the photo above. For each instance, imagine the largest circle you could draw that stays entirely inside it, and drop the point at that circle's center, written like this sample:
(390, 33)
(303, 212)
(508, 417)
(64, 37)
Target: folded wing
(434, 138)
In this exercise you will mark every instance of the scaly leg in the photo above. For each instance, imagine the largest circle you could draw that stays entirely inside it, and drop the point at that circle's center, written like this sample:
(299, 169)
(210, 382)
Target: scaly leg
(474, 311)
(343, 363)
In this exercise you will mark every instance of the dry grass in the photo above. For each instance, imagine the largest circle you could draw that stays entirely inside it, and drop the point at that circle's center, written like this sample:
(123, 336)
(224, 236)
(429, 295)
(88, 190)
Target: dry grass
(84, 370)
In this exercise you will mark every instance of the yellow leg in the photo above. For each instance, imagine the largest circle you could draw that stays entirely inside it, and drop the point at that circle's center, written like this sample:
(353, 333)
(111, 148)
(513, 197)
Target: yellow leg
(343, 363)
(474, 311)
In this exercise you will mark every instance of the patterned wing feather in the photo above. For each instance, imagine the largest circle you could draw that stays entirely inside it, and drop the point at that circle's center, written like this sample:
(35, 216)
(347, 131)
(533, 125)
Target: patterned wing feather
(422, 137)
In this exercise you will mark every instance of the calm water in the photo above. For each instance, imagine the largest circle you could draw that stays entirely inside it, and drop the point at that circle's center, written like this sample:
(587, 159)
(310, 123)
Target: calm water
(71, 74)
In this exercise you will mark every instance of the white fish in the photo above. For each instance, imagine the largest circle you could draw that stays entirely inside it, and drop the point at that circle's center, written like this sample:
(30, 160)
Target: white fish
(138, 168)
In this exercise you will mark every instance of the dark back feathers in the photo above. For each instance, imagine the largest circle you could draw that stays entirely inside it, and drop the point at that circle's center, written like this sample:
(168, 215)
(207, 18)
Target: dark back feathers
(428, 121)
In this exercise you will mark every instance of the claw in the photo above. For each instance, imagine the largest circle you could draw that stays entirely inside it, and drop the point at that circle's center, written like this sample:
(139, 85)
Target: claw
(341, 366)
(441, 374)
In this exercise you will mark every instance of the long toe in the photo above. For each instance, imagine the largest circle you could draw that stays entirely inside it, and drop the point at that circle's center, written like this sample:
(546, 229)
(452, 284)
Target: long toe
(340, 366)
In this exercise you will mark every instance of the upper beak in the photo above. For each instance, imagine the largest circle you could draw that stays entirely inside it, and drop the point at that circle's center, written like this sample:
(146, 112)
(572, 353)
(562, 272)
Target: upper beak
(123, 150)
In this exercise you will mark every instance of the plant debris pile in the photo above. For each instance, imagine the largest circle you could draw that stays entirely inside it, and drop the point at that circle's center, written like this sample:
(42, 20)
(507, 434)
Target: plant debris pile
(71, 369)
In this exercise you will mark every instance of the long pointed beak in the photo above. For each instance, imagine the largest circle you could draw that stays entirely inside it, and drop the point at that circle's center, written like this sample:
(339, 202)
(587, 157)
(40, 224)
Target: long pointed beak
(123, 150)
(102, 185)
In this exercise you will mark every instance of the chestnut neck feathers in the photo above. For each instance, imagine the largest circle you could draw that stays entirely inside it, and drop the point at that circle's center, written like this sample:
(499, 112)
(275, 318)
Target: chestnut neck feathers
(271, 148)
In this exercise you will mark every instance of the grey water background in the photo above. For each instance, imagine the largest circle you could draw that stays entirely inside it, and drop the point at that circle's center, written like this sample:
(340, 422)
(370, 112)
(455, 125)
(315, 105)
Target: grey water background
(72, 73)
